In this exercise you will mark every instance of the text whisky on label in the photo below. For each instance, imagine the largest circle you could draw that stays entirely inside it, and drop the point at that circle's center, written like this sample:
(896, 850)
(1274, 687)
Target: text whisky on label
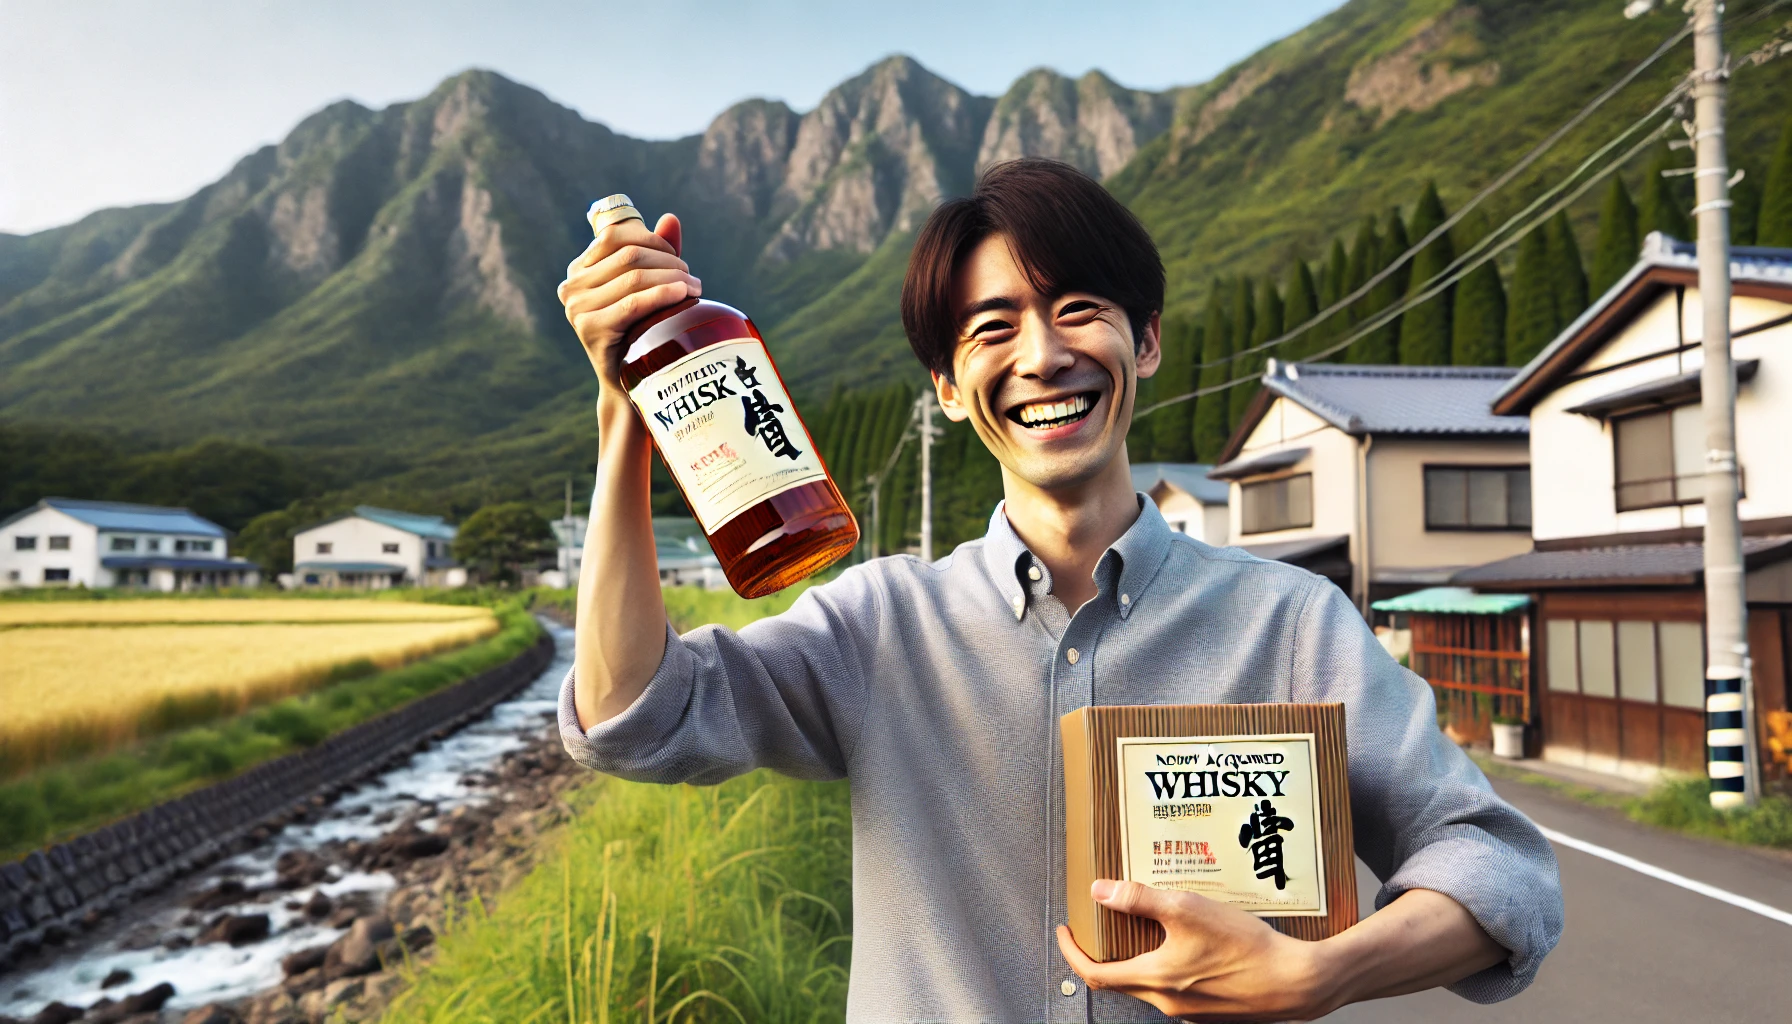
(703, 382)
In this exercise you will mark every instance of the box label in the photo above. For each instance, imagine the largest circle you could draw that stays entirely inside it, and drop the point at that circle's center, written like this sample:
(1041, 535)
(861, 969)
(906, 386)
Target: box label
(727, 429)
(1234, 818)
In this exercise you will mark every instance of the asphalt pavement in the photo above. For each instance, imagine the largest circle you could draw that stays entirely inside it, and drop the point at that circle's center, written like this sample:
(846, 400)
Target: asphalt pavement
(1636, 948)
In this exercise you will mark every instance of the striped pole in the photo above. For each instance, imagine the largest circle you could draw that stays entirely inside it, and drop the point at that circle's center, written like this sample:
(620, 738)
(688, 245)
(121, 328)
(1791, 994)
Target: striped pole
(1725, 737)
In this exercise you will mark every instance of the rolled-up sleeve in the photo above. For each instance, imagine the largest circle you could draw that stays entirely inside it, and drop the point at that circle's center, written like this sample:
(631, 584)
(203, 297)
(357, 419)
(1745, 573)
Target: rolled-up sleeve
(1425, 816)
(786, 692)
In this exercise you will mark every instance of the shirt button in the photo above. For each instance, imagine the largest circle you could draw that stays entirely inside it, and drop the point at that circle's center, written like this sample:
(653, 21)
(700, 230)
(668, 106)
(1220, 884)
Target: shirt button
(1067, 987)
(1033, 573)
(1125, 599)
(1071, 656)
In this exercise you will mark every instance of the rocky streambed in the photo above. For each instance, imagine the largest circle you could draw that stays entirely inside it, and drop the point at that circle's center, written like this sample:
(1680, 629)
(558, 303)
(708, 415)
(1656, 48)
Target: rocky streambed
(316, 921)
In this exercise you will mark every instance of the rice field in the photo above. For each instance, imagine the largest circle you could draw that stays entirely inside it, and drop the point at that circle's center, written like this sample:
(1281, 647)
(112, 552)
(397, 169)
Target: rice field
(83, 677)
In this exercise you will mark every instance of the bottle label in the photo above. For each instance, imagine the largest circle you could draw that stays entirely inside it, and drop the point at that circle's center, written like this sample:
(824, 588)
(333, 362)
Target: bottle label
(727, 429)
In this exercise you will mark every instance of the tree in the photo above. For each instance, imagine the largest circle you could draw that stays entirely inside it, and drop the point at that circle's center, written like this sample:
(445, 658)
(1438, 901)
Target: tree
(1211, 411)
(1478, 320)
(1774, 225)
(1663, 206)
(1302, 304)
(1380, 345)
(1745, 209)
(1244, 327)
(501, 539)
(1618, 245)
(1425, 329)
(267, 539)
(1172, 429)
(1533, 318)
(1267, 326)
(1565, 271)
(1334, 282)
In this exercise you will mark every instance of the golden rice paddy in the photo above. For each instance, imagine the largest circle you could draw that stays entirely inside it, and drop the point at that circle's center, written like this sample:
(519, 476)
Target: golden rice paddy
(94, 674)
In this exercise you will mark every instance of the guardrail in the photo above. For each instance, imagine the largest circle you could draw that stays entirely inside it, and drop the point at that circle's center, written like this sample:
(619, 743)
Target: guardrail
(52, 893)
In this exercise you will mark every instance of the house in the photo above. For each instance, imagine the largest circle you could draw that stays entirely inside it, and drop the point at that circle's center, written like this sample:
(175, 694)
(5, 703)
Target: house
(569, 551)
(1617, 456)
(69, 542)
(376, 548)
(684, 554)
(1385, 479)
(1190, 502)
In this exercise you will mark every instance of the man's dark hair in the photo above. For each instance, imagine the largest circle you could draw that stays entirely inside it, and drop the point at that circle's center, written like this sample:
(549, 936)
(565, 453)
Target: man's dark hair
(1068, 234)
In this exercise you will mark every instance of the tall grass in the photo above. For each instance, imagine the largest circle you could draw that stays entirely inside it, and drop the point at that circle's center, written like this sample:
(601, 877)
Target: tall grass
(72, 688)
(659, 904)
(53, 802)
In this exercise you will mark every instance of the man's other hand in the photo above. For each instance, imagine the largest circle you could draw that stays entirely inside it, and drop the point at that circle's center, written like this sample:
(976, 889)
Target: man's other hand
(1216, 962)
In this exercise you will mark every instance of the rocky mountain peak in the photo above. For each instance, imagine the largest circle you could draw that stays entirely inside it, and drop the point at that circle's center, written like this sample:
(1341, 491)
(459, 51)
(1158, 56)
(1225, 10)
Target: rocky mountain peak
(1091, 122)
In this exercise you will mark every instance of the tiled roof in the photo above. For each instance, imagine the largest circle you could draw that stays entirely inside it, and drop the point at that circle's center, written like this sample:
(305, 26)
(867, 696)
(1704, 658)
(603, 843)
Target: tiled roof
(1748, 264)
(122, 516)
(1440, 400)
(374, 568)
(183, 564)
(1630, 564)
(409, 522)
(1189, 477)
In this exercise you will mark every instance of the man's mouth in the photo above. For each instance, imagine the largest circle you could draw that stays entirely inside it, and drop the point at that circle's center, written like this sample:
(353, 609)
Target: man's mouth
(1046, 415)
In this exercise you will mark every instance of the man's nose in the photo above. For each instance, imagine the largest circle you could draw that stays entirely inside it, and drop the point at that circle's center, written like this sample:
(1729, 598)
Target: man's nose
(1042, 352)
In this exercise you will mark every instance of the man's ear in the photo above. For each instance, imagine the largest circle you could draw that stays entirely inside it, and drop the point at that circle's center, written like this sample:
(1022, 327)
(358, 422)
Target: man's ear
(1148, 354)
(951, 401)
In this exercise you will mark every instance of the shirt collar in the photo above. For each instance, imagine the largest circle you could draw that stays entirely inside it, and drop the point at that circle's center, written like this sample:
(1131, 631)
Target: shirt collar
(1140, 552)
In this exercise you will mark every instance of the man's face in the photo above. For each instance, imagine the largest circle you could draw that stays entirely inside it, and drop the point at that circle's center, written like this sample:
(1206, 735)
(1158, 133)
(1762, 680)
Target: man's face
(1047, 381)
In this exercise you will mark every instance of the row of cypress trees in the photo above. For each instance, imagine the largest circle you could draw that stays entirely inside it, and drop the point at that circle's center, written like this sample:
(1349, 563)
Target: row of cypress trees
(1487, 318)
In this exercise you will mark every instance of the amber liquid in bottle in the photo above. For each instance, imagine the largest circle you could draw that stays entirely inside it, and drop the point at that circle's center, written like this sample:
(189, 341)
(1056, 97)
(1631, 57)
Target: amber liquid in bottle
(781, 537)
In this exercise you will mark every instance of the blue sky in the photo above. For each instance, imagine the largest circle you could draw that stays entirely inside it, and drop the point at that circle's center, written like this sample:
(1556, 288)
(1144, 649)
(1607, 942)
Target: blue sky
(112, 102)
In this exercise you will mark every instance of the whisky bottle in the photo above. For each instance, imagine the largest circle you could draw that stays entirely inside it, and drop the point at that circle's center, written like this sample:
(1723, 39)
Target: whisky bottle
(702, 381)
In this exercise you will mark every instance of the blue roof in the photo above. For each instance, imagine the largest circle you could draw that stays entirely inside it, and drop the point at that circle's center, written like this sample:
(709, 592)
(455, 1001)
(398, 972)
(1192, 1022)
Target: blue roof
(1188, 477)
(1453, 601)
(374, 568)
(198, 564)
(409, 522)
(121, 516)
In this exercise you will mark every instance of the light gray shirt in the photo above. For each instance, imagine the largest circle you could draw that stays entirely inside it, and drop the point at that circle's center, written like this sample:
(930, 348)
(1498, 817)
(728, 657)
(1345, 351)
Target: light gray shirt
(936, 689)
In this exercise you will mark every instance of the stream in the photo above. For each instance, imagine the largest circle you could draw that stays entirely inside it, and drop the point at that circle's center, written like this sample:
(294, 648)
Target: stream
(154, 939)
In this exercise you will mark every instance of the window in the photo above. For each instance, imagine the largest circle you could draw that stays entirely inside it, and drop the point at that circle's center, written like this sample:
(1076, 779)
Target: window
(1646, 662)
(431, 547)
(24, 543)
(192, 545)
(324, 547)
(1477, 497)
(389, 548)
(311, 578)
(1278, 504)
(59, 543)
(153, 544)
(124, 543)
(55, 575)
(1659, 458)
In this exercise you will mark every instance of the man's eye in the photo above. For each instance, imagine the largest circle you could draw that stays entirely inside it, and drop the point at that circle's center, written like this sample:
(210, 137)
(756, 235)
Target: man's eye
(990, 326)
(1078, 306)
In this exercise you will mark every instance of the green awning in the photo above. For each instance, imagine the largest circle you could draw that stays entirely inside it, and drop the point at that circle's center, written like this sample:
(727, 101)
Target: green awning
(1453, 601)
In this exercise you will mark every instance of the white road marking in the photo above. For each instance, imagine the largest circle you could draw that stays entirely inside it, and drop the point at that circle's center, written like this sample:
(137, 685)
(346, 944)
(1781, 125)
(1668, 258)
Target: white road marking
(1690, 884)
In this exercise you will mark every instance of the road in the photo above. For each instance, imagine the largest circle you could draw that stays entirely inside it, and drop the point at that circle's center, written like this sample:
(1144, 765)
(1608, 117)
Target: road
(1636, 949)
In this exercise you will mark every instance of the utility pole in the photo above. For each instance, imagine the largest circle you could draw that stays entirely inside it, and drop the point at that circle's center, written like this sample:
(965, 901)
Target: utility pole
(876, 486)
(926, 474)
(1733, 763)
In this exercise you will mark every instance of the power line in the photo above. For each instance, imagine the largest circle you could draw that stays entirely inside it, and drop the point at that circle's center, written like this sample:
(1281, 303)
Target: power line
(1498, 183)
(1437, 285)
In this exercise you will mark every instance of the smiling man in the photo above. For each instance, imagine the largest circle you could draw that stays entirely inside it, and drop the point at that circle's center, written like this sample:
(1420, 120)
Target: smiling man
(936, 688)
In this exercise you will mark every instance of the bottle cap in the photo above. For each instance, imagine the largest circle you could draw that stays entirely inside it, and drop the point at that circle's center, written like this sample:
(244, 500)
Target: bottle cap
(612, 210)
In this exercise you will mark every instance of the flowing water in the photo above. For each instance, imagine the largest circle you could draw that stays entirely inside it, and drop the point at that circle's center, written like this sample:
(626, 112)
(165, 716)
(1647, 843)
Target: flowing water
(138, 938)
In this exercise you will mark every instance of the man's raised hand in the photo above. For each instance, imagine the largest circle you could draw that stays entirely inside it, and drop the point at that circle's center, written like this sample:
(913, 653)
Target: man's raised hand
(626, 273)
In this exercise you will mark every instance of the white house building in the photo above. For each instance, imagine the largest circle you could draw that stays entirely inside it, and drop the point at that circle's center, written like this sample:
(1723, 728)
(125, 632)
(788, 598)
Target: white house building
(376, 548)
(1617, 453)
(1385, 479)
(66, 542)
(1190, 502)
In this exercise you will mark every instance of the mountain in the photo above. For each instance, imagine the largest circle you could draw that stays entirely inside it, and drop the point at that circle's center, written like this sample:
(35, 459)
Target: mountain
(376, 290)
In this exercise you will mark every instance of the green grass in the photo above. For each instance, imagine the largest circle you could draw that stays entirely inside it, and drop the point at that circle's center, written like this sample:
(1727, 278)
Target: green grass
(1676, 804)
(690, 607)
(55, 802)
(663, 903)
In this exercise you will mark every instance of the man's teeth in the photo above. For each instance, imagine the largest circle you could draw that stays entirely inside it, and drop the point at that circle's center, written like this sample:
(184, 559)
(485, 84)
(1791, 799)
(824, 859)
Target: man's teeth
(1038, 414)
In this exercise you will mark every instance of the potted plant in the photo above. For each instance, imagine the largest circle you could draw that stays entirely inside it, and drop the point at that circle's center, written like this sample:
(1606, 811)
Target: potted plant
(1508, 737)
